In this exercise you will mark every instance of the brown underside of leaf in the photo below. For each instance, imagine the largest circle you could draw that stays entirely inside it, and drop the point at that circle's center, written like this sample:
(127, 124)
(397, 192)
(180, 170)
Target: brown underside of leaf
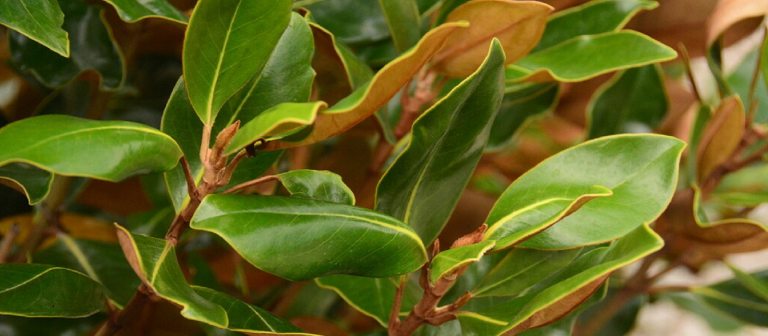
(384, 85)
(331, 82)
(517, 24)
(721, 136)
(729, 12)
(560, 308)
(694, 245)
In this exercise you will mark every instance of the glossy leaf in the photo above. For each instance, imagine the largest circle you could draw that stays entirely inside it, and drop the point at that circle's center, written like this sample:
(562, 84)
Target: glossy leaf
(403, 21)
(584, 57)
(35, 290)
(102, 262)
(91, 48)
(33, 182)
(286, 78)
(554, 296)
(634, 101)
(40, 20)
(155, 261)
(517, 24)
(320, 185)
(352, 21)
(275, 123)
(135, 10)
(721, 136)
(227, 44)
(593, 17)
(519, 105)
(620, 171)
(367, 99)
(744, 187)
(343, 239)
(521, 269)
(424, 183)
(55, 143)
(452, 259)
(339, 72)
(371, 296)
(740, 80)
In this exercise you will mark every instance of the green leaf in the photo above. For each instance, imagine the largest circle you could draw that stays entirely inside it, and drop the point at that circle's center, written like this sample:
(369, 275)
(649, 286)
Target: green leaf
(287, 77)
(742, 298)
(373, 297)
(135, 10)
(521, 269)
(39, 20)
(633, 101)
(450, 260)
(715, 318)
(92, 48)
(321, 185)
(275, 123)
(228, 42)
(740, 80)
(33, 182)
(70, 146)
(621, 171)
(593, 17)
(744, 187)
(352, 21)
(180, 122)
(584, 57)
(403, 21)
(34, 290)
(425, 181)
(155, 261)
(298, 238)
(102, 262)
(557, 294)
(521, 103)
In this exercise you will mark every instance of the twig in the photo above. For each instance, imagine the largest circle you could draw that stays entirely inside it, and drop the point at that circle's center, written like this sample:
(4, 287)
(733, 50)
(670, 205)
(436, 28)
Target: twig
(427, 310)
(753, 99)
(245, 185)
(411, 105)
(394, 314)
(7, 243)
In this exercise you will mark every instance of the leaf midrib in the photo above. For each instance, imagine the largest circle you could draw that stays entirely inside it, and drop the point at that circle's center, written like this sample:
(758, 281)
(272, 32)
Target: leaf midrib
(217, 72)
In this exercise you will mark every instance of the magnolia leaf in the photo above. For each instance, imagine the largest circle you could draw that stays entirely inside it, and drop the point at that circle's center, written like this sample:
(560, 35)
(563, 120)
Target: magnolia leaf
(339, 72)
(352, 21)
(744, 187)
(92, 47)
(593, 17)
(343, 239)
(154, 261)
(275, 123)
(634, 100)
(227, 44)
(56, 143)
(613, 174)
(369, 98)
(740, 80)
(697, 240)
(66, 293)
(584, 57)
(452, 259)
(40, 20)
(520, 103)
(33, 182)
(373, 297)
(446, 144)
(721, 136)
(742, 298)
(135, 10)
(557, 294)
(729, 12)
(403, 21)
(521, 269)
(180, 122)
(321, 185)
(102, 262)
(287, 77)
(517, 24)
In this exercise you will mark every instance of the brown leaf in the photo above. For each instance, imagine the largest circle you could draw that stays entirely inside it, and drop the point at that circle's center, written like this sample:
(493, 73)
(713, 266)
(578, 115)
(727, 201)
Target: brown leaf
(694, 243)
(721, 136)
(517, 24)
(331, 80)
(729, 12)
(384, 85)
(559, 309)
